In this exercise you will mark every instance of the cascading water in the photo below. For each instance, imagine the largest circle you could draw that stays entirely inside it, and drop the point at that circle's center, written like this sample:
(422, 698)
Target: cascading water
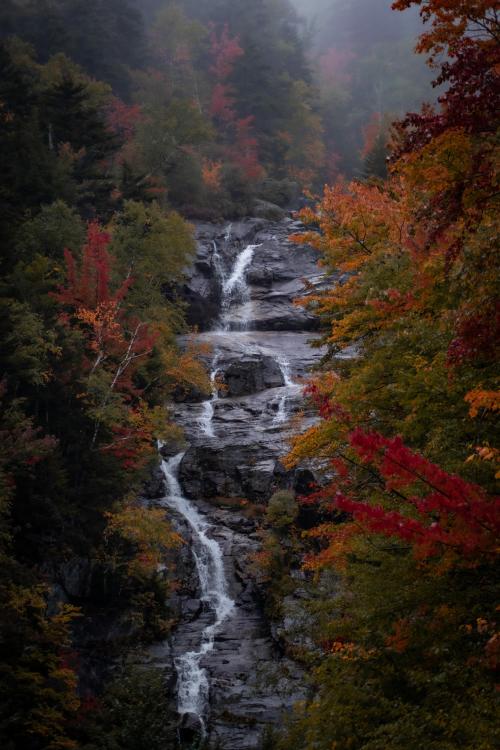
(193, 684)
(281, 414)
(218, 263)
(235, 288)
(228, 669)
(207, 415)
(206, 419)
(237, 277)
(193, 687)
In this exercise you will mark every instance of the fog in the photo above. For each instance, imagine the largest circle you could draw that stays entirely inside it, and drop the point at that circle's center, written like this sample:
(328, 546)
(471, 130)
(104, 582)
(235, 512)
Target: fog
(363, 55)
(313, 77)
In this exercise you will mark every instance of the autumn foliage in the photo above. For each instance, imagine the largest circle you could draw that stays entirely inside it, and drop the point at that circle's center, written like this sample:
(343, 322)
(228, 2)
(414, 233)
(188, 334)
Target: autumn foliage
(405, 515)
(451, 22)
(437, 514)
(225, 51)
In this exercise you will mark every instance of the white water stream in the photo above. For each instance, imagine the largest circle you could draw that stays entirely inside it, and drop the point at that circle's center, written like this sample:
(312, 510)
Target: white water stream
(237, 277)
(234, 286)
(193, 684)
(218, 263)
(235, 289)
(281, 414)
(207, 415)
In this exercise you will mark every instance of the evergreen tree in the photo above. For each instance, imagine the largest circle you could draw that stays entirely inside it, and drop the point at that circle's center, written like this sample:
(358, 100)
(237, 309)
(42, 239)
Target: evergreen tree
(26, 164)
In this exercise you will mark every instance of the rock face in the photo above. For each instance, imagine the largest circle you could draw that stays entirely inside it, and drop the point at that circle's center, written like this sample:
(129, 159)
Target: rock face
(260, 352)
(239, 471)
(202, 289)
(280, 272)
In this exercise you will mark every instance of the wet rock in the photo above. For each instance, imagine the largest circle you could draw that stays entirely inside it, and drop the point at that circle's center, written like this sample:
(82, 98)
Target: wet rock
(231, 471)
(190, 729)
(260, 277)
(251, 683)
(251, 374)
(155, 487)
(279, 314)
(202, 296)
(75, 577)
(276, 264)
(191, 608)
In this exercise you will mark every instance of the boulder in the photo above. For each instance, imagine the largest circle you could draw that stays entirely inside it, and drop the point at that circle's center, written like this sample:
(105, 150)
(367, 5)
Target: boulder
(189, 395)
(251, 374)
(242, 231)
(202, 297)
(192, 609)
(269, 211)
(170, 449)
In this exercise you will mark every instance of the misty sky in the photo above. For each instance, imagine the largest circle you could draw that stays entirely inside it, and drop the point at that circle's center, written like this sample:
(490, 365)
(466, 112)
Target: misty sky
(371, 16)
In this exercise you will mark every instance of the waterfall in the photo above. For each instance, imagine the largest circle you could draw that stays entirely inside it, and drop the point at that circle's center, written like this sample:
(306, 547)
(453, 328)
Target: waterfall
(230, 681)
(235, 288)
(281, 414)
(193, 686)
(206, 421)
(218, 263)
(237, 278)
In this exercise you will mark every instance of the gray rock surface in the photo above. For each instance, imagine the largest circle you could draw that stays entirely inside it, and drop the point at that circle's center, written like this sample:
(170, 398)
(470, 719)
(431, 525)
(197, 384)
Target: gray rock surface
(250, 374)
(261, 352)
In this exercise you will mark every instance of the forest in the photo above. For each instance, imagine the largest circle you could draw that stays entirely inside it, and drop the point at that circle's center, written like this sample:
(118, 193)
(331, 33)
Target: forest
(130, 132)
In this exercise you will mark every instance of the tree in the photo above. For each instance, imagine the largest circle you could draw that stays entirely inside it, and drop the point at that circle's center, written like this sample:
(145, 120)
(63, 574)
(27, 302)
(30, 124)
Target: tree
(375, 148)
(135, 712)
(179, 45)
(169, 136)
(450, 23)
(78, 132)
(28, 171)
(106, 39)
(38, 686)
(55, 227)
(282, 509)
(89, 356)
(39, 699)
(305, 152)
(113, 345)
(405, 516)
(225, 51)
